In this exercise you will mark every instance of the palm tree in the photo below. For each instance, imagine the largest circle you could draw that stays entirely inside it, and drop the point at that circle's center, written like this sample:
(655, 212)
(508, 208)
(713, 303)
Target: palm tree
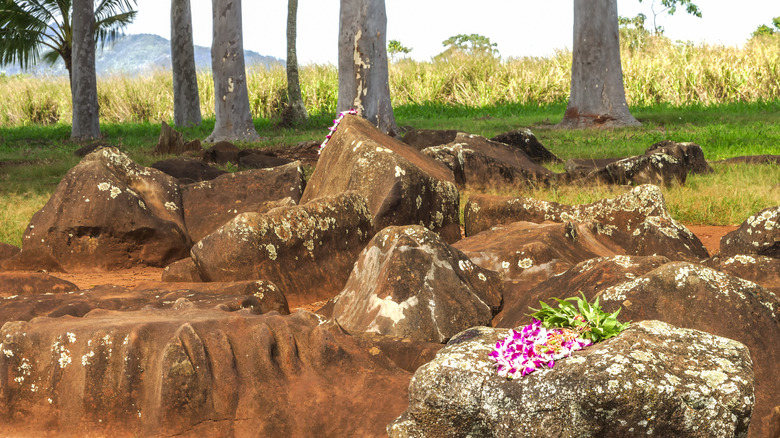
(29, 26)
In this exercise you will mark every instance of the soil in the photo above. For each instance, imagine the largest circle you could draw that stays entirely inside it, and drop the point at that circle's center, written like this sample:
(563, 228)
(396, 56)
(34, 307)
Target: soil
(709, 236)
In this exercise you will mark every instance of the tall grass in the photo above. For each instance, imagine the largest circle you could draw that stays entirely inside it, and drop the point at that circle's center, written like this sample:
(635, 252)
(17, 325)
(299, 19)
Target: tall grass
(659, 71)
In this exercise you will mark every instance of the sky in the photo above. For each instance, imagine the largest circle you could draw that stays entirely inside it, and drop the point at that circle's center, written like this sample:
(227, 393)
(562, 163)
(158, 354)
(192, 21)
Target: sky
(519, 27)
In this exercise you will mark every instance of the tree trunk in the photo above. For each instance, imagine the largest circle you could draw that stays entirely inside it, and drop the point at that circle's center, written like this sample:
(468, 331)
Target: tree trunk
(86, 122)
(363, 75)
(231, 99)
(186, 102)
(597, 97)
(296, 110)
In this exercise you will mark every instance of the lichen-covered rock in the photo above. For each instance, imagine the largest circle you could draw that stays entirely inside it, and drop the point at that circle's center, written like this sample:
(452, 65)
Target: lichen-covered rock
(194, 372)
(759, 234)
(210, 204)
(256, 297)
(32, 283)
(761, 270)
(410, 283)
(638, 384)
(402, 186)
(307, 250)
(587, 277)
(534, 252)
(110, 213)
(639, 220)
(694, 296)
(656, 168)
(526, 141)
(477, 162)
(690, 154)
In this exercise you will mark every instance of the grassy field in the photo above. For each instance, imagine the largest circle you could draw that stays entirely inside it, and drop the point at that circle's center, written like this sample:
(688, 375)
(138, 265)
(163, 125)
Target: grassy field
(727, 100)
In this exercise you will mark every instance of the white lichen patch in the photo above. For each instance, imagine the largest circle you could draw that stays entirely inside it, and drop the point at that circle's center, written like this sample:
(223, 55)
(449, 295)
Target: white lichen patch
(272, 251)
(171, 206)
(525, 263)
(618, 292)
(398, 171)
(740, 258)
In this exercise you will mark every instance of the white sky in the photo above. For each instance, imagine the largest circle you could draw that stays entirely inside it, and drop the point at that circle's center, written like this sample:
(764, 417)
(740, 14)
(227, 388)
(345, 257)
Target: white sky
(520, 27)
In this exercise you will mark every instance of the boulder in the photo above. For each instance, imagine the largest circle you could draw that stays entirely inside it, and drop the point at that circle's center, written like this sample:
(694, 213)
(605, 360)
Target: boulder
(689, 154)
(254, 159)
(581, 167)
(257, 297)
(183, 270)
(638, 384)
(306, 250)
(171, 142)
(761, 270)
(32, 283)
(402, 186)
(222, 152)
(109, 213)
(194, 372)
(694, 296)
(188, 170)
(759, 234)
(424, 138)
(638, 220)
(526, 141)
(210, 204)
(307, 152)
(587, 277)
(752, 159)
(409, 283)
(534, 252)
(7, 251)
(478, 163)
(656, 168)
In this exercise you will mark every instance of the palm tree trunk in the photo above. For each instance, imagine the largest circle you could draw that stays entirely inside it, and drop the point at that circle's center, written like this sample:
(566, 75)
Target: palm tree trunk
(86, 122)
(186, 102)
(296, 109)
(363, 72)
(231, 98)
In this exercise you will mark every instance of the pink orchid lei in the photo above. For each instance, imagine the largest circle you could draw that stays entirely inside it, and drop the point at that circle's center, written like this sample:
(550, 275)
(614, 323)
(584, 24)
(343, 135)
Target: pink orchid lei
(335, 127)
(534, 346)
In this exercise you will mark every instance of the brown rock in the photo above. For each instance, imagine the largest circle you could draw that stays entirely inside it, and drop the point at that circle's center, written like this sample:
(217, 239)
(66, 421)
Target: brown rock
(526, 141)
(409, 283)
(222, 152)
(193, 372)
(690, 154)
(402, 186)
(183, 270)
(109, 213)
(759, 234)
(762, 270)
(188, 170)
(32, 283)
(424, 138)
(254, 159)
(639, 220)
(656, 168)
(307, 250)
(752, 159)
(210, 204)
(581, 167)
(479, 163)
(171, 142)
(8, 251)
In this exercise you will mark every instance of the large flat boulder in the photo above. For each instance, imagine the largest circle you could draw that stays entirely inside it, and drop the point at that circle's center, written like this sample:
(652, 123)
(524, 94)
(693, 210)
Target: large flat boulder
(638, 220)
(759, 234)
(108, 213)
(409, 283)
(195, 372)
(402, 186)
(638, 384)
(479, 163)
(307, 250)
(208, 205)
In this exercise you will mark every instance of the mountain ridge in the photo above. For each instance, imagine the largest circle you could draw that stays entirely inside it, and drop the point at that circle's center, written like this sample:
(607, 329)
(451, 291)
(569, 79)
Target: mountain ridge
(136, 54)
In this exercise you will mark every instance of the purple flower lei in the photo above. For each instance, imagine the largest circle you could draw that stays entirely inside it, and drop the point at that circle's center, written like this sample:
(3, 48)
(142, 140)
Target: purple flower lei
(533, 347)
(335, 127)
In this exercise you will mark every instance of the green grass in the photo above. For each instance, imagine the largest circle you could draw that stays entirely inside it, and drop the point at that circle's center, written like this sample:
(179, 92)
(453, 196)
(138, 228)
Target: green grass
(35, 158)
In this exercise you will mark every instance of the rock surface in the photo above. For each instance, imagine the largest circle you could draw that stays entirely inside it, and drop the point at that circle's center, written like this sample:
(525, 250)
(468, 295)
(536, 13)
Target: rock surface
(306, 250)
(185, 371)
(188, 170)
(479, 163)
(8, 251)
(690, 154)
(641, 383)
(655, 168)
(402, 186)
(409, 283)
(210, 204)
(638, 220)
(32, 283)
(526, 141)
(109, 213)
(759, 234)
(758, 269)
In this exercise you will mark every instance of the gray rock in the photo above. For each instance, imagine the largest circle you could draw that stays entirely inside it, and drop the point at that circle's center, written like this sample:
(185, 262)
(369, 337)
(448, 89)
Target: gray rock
(408, 282)
(641, 383)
